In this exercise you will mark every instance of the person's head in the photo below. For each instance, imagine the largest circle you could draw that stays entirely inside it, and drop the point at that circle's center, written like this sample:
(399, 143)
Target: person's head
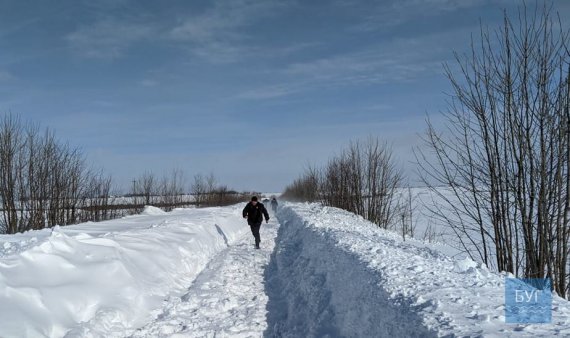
(254, 200)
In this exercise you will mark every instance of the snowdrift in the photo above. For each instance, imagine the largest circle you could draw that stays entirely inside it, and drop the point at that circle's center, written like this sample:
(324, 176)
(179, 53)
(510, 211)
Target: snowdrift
(98, 278)
(333, 273)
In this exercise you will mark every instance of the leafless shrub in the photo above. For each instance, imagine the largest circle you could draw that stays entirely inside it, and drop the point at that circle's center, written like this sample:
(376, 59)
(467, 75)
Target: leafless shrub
(306, 188)
(198, 189)
(207, 192)
(505, 153)
(431, 234)
(363, 179)
(406, 209)
(44, 182)
(172, 189)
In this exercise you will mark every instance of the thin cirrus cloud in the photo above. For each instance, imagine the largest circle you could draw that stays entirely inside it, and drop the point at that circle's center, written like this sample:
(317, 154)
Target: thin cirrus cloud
(310, 77)
(270, 92)
(383, 14)
(217, 35)
(369, 66)
(223, 18)
(395, 62)
(149, 83)
(108, 39)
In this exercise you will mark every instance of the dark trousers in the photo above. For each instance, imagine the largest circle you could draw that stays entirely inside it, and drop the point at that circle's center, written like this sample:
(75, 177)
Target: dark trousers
(255, 231)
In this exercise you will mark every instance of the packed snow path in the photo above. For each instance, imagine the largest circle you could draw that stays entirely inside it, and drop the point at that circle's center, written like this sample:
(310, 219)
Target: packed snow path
(226, 299)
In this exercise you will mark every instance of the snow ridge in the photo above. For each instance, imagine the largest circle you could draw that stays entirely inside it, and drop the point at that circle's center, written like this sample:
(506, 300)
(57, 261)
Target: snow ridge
(333, 273)
(107, 279)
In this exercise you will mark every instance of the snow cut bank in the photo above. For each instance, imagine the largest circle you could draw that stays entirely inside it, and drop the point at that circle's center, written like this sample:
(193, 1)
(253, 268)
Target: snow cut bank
(333, 273)
(94, 279)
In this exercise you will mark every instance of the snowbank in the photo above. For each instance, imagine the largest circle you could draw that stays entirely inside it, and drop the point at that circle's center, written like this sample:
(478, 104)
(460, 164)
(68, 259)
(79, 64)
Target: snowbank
(98, 278)
(334, 273)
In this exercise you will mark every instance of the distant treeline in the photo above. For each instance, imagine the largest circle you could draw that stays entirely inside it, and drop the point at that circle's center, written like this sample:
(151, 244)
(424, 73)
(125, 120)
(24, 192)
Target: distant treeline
(169, 191)
(45, 182)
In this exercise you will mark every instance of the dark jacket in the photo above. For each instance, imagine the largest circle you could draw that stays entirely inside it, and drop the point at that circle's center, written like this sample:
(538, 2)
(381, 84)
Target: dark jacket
(255, 213)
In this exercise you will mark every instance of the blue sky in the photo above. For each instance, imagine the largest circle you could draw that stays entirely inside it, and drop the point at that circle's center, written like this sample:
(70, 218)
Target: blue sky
(251, 90)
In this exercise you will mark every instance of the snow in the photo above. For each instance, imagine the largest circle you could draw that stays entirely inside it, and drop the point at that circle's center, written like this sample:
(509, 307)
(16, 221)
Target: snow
(194, 273)
(335, 273)
(97, 279)
(152, 211)
(226, 300)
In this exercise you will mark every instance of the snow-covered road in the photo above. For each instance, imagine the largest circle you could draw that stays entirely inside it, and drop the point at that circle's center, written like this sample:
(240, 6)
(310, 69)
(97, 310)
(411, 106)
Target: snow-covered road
(227, 299)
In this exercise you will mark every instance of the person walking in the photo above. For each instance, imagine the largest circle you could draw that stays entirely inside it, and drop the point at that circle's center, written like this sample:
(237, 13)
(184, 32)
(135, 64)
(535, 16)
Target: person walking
(274, 204)
(254, 212)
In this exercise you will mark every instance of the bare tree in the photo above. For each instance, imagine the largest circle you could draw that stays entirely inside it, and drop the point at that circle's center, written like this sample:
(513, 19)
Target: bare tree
(11, 144)
(43, 181)
(383, 178)
(198, 189)
(172, 189)
(504, 157)
(307, 187)
(406, 209)
(148, 189)
(363, 179)
(211, 183)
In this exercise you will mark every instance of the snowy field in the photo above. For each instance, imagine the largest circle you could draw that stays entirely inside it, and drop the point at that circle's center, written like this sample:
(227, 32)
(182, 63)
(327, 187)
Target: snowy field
(194, 273)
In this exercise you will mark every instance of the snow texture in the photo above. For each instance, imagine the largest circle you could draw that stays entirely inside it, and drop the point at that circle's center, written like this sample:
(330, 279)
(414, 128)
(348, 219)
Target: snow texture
(335, 274)
(320, 272)
(226, 300)
(106, 279)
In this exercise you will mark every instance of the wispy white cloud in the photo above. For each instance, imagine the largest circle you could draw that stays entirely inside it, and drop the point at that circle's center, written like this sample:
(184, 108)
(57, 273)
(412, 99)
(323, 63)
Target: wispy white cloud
(221, 51)
(14, 28)
(109, 38)
(398, 63)
(217, 34)
(342, 72)
(384, 14)
(270, 92)
(438, 5)
(103, 5)
(148, 83)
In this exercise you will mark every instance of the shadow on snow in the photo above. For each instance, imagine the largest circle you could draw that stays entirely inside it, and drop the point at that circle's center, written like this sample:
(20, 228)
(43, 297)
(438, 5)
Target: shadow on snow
(317, 289)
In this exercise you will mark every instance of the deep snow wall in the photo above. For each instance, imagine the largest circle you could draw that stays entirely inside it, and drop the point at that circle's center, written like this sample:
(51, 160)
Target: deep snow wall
(95, 279)
(316, 289)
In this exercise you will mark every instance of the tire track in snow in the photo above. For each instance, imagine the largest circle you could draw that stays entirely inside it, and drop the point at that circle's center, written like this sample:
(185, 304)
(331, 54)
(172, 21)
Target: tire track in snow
(226, 299)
